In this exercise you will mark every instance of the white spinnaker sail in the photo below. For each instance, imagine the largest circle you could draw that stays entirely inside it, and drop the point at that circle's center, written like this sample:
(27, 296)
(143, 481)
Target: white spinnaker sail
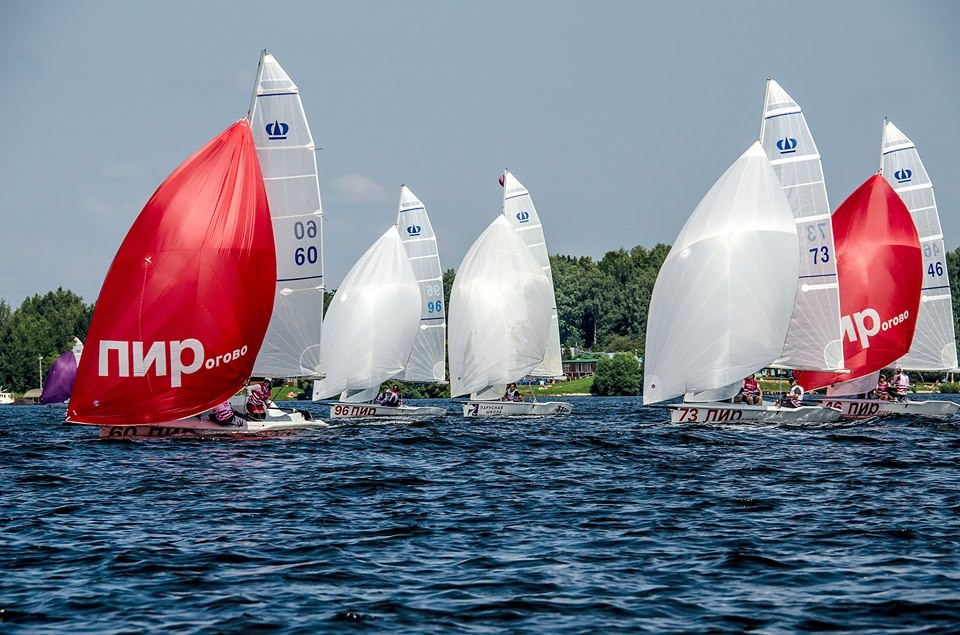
(813, 339)
(427, 359)
(519, 210)
(934, 344)
(286, 152)
(372, 320)
(724, 295)
(500, 308)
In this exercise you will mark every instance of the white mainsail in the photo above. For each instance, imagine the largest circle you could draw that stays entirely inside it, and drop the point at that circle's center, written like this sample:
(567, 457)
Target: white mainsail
(426, 363)
(286, 152)
(813, 339)
(519, 210)
(934, 344)
(371, 322)
(723, 298)
(500, 314)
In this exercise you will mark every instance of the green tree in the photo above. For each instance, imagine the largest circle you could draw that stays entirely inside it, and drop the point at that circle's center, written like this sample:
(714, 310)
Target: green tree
(42, 325)
(617, 376)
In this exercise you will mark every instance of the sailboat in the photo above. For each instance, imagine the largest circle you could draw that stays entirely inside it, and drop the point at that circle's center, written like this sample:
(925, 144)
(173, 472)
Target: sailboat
(286, 152)
(934, 346)
(503, 313)
(373, 323)
(879, 268)
(63, 371)
(813, 337)
(175, 331)
(723, 300)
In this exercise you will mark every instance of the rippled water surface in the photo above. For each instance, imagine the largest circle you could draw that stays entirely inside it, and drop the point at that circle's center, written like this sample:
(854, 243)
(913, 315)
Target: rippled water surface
(609, 520)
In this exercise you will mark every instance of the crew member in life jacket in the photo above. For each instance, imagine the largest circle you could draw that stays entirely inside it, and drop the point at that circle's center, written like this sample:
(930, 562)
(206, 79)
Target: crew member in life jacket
(392, 397)
(222, 413)
(258, 396)
(900, 385)
(794, 396)
(750, 393)
(512, 394)
(883, 389)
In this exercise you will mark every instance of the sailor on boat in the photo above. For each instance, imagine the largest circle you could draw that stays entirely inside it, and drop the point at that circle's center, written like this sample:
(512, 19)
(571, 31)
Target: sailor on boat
(794, 396)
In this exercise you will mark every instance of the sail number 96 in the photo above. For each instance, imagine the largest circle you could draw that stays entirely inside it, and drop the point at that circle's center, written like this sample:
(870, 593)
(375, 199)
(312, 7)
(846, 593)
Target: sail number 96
(431, 291)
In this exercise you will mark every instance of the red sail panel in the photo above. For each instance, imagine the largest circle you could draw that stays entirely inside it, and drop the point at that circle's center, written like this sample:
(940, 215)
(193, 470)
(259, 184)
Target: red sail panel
(186, 302)
(880, 271)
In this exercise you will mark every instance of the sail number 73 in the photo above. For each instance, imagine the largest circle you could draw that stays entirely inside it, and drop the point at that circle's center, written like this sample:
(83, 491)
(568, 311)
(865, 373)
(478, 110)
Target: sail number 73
(817, 232)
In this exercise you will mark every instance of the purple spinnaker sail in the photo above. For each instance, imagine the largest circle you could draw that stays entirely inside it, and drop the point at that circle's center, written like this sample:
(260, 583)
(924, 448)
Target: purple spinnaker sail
(59, 382)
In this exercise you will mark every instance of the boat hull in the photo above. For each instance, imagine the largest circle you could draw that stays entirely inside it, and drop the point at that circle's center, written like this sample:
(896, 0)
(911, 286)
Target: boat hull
(369, 410)
(515, 408)
(743, 413)
(201, 426)
(853, 408)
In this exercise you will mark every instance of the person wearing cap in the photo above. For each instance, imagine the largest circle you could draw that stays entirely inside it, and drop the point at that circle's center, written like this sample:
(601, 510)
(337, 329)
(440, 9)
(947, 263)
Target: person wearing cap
(793, 397)
(899, 386)
(750, 393)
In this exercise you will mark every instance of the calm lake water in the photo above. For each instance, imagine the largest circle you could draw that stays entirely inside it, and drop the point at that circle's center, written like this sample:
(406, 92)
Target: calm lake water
(609, 520)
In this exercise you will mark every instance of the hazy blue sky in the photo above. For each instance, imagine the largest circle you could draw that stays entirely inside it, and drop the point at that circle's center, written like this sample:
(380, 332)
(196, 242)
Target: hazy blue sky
(617, 116)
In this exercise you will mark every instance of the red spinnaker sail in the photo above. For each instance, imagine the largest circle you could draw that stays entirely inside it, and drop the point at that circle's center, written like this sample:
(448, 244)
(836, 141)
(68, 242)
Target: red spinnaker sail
(186, 302)
(880, 270)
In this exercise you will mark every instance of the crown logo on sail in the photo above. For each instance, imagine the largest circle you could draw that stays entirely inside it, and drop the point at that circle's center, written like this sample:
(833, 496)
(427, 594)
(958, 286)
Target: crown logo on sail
(523, 216)
(903, 175)
(413, 230)
(787, 145)
(277, 130)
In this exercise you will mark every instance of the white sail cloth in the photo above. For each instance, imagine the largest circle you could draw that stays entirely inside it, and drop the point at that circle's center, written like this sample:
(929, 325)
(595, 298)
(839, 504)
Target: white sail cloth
(723, 298)
(519, 210)
(934, 345)
(813, 340)
(372, 320)
(427, 361)
(285, 150)
(500, 313)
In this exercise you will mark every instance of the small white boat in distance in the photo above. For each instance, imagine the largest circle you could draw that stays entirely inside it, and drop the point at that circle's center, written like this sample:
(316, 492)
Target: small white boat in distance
(6, 397)
(397, 340)
(503, 323)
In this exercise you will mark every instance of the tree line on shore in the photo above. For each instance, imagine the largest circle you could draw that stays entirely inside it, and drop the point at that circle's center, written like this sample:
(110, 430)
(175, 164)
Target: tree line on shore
(601, 305)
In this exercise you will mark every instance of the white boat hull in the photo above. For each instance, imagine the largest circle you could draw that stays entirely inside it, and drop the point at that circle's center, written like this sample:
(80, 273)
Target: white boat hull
(369, 410)
(201, 425)
(853, 408)
(515, 408)
(743, 413)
